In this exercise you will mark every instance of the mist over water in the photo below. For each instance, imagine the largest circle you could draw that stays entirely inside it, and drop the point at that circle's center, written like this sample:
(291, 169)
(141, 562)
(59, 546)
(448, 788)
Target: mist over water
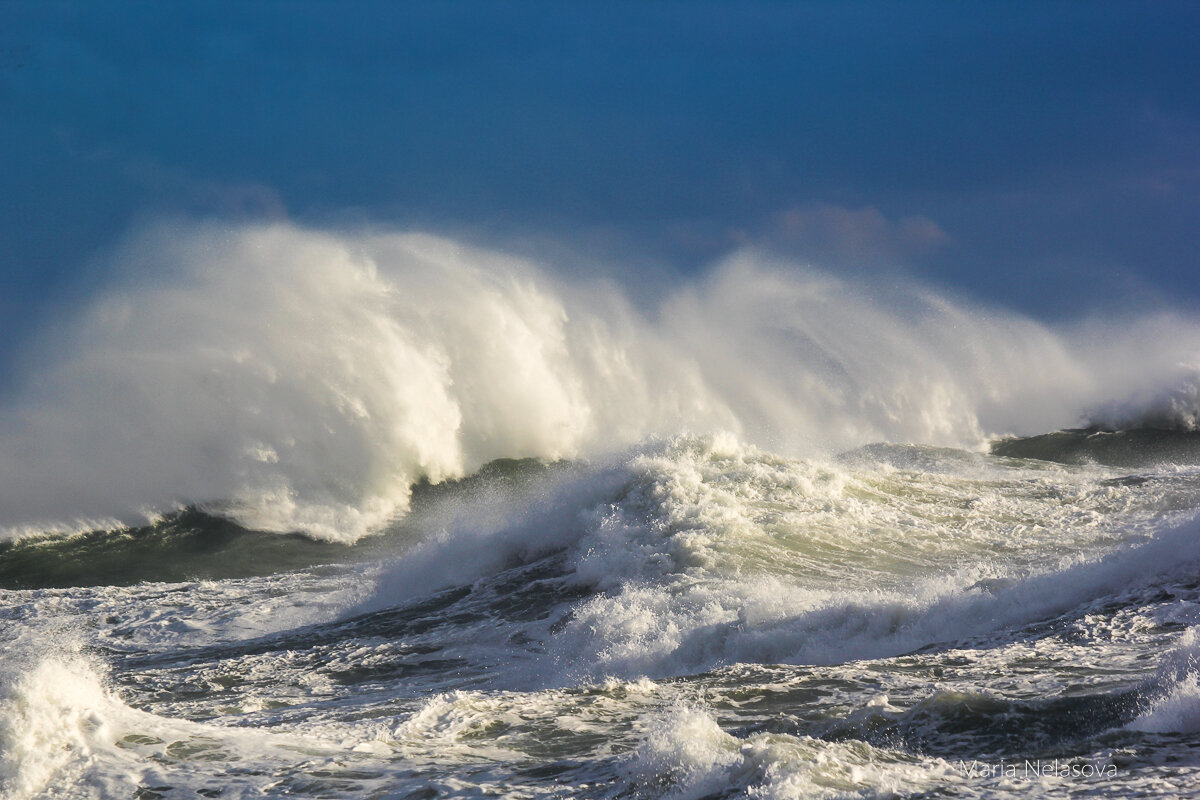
(302, 379)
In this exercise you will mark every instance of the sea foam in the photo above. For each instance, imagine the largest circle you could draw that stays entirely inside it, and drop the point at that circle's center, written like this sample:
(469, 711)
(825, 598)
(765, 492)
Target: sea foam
(1174, 702)
(54, 718)
(685, 755)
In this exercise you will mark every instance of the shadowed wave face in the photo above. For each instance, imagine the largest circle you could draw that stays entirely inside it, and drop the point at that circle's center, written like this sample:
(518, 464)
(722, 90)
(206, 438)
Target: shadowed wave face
(203, 544)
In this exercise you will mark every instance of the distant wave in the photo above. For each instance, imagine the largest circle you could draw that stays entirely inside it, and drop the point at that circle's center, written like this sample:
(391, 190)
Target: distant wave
(1153, 425)
(1173, 407)
(307, 379)
(1136, 447)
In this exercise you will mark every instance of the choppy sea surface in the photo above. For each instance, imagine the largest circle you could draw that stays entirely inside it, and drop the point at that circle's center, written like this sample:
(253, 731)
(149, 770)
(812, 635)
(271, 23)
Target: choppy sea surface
(404, 527)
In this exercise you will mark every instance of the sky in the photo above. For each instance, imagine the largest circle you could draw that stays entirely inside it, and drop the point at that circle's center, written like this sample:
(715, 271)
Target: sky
(1040, 156)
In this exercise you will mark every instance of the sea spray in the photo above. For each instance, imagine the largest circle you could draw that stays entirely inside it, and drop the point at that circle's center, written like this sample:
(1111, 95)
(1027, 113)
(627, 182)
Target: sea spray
(303, 380)
(1172, 702)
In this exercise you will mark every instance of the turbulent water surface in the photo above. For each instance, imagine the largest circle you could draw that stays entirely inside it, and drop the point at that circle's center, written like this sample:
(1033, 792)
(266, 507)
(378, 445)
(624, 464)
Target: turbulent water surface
(377, 515)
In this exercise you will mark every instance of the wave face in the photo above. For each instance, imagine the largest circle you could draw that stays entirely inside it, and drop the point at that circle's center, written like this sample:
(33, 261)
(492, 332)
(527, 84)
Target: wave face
(780, 536)
(1135, 447)
(300, 380)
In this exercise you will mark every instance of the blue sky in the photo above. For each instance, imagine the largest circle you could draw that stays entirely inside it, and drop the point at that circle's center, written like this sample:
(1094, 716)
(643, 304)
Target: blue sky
(1043, 156)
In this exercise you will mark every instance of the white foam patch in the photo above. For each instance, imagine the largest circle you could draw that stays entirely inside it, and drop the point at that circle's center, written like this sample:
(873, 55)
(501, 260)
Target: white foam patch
(687, 750)
(1175, 706)
(459, 724)
(685, 755)
(54, 721)
(65, 732)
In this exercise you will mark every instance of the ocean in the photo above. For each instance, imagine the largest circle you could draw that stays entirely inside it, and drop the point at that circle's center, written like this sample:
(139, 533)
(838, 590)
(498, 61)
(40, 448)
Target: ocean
(291, 512)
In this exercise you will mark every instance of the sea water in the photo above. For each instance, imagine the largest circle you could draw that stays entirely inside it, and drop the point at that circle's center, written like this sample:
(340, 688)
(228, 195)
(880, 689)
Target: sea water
(325, 514)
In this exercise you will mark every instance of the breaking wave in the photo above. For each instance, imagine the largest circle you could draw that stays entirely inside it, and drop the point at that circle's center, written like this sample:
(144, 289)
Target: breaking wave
(297, 380)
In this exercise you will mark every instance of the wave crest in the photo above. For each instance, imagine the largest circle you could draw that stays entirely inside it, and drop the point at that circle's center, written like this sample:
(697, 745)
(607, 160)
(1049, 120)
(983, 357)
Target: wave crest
(304, 380)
